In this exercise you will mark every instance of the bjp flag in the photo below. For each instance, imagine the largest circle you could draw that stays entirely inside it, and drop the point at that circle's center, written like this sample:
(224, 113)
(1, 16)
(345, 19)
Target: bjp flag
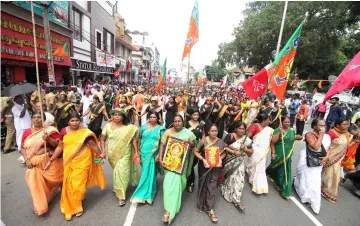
(283, 64)
(193, 32)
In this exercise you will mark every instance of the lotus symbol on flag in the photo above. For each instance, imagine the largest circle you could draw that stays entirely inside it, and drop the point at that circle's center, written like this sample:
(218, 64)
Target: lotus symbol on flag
(279, 80)
(189, 41)
(257, 86)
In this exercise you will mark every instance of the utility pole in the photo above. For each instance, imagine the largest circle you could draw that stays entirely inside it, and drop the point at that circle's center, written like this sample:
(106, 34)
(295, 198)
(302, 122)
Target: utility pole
(49, 56)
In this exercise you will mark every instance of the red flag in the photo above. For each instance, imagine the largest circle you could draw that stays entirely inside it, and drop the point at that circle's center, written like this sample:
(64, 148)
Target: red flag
(128, 65)
(348, 78)
(117, 72)
(256, 85)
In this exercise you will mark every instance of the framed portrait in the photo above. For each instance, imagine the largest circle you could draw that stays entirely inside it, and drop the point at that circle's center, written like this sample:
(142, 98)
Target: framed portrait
(175, 154)
(213, 156)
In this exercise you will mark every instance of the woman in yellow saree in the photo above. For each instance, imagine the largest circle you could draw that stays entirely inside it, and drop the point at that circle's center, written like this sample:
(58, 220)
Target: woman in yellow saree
(43, 184)
(330, 177)
(81, 156)
(122, 147)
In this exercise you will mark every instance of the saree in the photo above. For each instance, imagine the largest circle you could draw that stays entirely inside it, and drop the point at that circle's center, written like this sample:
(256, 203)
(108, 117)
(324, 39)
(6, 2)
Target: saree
(308, 179)
(120, 153)
(149, 148)
(256, 164)
(43, 184)
(349, 160)
(207, 179)
(96, 118)
(234, 170)
(174, 184)
(62, 115)
(276, 169)
(80, 171)
(330, 176)
(252, 113)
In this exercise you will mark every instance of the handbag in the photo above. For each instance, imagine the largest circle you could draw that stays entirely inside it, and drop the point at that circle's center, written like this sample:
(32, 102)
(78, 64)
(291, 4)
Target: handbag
(313, 158)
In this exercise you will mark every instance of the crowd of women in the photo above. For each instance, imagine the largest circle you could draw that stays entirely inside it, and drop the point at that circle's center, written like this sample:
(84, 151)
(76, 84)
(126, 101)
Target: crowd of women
(245, 131)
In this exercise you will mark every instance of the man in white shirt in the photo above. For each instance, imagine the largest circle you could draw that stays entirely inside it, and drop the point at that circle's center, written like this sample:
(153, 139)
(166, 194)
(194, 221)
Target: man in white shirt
(202, 99)
(22, 120)
(85, 102)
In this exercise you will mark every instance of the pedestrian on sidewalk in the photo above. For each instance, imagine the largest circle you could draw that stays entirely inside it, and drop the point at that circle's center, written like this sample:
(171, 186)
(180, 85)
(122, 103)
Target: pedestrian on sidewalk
(301, 116)
(8, 118)
(22, 121)
(335, 112)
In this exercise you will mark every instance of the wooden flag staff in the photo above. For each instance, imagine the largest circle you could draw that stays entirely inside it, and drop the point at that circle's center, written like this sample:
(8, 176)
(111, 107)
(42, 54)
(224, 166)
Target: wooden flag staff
(37, 69)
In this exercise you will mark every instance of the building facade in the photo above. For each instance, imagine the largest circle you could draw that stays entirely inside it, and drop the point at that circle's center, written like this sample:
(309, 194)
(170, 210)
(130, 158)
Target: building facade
(126, 67)
(17, 42)
(93, 51)
(150, 66)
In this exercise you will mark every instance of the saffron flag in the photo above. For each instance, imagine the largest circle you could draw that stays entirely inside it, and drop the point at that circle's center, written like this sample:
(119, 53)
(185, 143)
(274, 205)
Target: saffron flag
(201, 78)
(348, 78)
(282, 65)
(62, 50)
(162, 77)
(193, 32)
(256, 85)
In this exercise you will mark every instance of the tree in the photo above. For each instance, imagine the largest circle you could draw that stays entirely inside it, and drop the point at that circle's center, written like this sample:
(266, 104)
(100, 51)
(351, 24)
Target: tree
(328, 39)
(215, 72)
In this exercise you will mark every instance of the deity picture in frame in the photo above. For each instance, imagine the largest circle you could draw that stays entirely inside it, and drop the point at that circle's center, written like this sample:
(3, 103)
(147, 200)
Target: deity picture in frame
(175, 154)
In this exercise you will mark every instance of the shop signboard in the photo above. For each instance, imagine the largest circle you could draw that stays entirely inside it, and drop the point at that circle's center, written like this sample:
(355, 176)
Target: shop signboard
(17, 42)
(58, 10)
(80, 65)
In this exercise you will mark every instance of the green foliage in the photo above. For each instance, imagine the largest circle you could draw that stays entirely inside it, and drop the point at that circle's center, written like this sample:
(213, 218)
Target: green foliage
(329, 39)
(215, 72)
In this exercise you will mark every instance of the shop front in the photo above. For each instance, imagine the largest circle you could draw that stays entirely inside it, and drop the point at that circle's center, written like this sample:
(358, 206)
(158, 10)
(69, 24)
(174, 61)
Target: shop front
(83, 70)
(18, 52)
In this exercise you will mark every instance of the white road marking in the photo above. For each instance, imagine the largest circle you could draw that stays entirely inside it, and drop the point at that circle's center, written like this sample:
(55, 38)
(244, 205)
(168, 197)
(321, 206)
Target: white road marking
(307, 213)
(131, 214)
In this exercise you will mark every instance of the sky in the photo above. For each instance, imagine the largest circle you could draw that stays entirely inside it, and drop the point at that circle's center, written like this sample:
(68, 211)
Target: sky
(167, 22)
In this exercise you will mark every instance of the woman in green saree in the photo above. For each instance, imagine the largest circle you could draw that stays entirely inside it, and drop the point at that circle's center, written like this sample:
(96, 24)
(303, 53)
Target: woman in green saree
(122, 148)
(174, 183)
(276, 170)
(149, 136)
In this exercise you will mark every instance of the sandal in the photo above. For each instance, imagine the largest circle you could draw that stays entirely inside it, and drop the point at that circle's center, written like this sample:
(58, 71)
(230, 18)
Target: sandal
(212, 216)
(190, 189)
(239, 207)
(342, 180)
(79, 214)
(122, 203)
(165, 218)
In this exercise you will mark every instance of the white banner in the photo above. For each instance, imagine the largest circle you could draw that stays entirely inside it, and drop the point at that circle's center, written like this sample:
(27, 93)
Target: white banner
(104, 59)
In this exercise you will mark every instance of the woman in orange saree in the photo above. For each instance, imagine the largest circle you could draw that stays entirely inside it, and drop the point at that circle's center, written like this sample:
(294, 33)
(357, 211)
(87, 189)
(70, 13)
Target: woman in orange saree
(81, 156)
(330, 176)
(43, 184)
(349, 160)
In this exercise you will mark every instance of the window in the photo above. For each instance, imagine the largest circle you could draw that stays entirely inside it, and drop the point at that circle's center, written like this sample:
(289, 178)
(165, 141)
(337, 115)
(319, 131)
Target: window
(98, 39)
(77, 25)
(109, 41)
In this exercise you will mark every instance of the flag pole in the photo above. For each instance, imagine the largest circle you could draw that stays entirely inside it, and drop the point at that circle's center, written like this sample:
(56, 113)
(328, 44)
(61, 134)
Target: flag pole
(37, 68)
(278, 43)
(188, 89)
(277, 52)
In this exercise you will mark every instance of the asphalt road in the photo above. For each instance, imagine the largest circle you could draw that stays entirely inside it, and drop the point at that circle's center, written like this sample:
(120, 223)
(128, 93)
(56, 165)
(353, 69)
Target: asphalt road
(101, 207)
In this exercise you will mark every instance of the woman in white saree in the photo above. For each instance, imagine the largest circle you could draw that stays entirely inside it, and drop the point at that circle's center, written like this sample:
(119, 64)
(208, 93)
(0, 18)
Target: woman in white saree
(261, 135)
(308, 179)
